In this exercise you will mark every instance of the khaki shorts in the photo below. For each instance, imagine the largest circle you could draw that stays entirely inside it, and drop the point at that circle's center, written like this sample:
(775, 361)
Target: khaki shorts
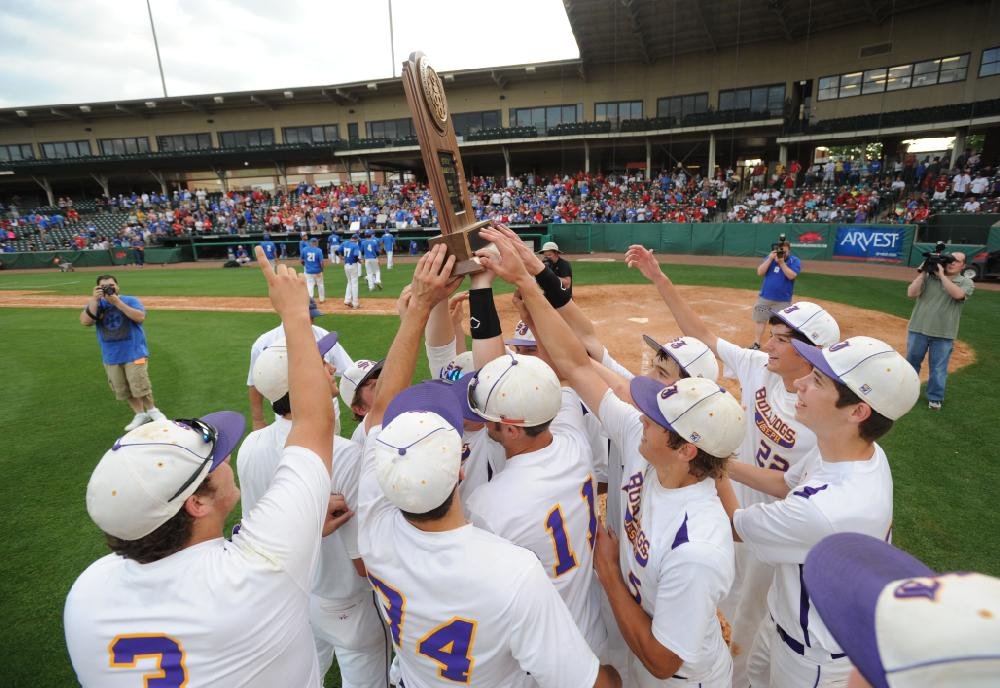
(129, 380)
(762, 309)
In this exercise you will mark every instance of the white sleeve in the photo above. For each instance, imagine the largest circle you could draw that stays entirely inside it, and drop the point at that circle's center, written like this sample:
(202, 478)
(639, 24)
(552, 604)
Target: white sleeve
(611, 364)
(687, 595)
(741, 361)
(286, 525)
(545, 640)
(569, 419)
(340, 359)
(784, 531)
(438, 356)
(346, 474)
(371, 500)
(800, 470)
(622, 421)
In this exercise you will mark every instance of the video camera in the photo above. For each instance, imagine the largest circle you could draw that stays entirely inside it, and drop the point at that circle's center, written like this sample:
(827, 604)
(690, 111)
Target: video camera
(936, 257)
(778, 247)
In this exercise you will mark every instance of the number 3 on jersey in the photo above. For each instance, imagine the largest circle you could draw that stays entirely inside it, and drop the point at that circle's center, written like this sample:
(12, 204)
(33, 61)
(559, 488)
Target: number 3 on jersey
(126, 650)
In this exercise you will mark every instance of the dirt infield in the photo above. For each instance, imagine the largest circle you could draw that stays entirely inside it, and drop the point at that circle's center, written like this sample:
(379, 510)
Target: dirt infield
(727, 311)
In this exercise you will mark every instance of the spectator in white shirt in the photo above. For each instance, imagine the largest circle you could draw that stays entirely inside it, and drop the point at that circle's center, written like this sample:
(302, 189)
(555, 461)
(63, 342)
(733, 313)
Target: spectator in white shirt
(960, 183)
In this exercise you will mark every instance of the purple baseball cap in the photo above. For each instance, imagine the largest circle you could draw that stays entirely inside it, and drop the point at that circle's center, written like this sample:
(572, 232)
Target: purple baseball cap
(427, 397)
(901, 624)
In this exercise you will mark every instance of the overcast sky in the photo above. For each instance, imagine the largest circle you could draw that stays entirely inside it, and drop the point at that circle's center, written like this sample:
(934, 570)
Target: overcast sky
(86, 51)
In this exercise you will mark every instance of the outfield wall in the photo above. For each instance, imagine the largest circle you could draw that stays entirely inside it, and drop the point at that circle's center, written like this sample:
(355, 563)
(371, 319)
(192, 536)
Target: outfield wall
(116, 256)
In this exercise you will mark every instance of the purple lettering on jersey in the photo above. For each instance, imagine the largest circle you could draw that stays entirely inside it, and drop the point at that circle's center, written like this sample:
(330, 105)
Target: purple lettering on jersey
(926, 588)
(634, 584)
(394, 606)
(769, 423)
(807, 492)
(126, 650)
(450, 645)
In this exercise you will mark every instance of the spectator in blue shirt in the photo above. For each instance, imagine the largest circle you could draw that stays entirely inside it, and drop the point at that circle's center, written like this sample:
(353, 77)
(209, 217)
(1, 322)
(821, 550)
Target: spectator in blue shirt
(779, 271)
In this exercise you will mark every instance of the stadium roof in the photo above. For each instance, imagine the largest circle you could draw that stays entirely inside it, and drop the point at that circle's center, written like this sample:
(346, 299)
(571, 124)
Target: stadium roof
(647, 31)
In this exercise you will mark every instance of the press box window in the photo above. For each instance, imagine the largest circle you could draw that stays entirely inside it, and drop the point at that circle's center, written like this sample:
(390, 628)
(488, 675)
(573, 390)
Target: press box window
(990, 64)
(66, 149)
(321, 133)
(126, 146)
(249, 138)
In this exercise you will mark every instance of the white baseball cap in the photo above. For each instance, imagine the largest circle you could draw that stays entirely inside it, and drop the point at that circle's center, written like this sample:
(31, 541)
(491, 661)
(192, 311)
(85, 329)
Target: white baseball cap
(144, 479)
(516, 389)
(870, 368)
(355, 376)
(523, 336)
(270, 370)
(696, 408)
(691, 354)
(458, 366)
(418, 453)
(812, 320)
(550, 246)
(901, 624)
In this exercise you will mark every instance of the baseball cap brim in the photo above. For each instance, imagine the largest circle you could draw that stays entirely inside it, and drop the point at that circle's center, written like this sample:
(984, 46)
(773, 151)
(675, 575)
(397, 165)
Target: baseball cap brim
(314, 311)
(461, 390)
(327, 342)
(426, 397)
(229, 427)
(644, 391)
(845, 575)
(374, 370)
(814, 355)
(521, 342)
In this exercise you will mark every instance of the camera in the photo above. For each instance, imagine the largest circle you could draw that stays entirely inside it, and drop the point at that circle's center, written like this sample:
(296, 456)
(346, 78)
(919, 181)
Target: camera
(108, 289)
(778, 247)
(936, 257)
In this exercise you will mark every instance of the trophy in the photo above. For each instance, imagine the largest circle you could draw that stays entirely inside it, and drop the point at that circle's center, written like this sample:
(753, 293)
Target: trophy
(446, 177)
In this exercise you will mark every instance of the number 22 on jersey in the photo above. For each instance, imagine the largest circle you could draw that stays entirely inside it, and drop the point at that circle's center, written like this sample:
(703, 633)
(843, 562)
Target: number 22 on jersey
(448, 644)
(126, 650)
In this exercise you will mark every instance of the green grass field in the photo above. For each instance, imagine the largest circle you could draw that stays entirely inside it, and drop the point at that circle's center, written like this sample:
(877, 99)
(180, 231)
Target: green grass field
(59, 417)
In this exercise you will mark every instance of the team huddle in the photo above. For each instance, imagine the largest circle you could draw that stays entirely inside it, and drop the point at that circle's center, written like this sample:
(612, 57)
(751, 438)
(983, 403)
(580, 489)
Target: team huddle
(455, 538)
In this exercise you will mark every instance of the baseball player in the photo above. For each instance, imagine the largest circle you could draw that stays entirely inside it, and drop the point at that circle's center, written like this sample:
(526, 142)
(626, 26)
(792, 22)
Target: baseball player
(901, 623)
(337, 356)
(857, 389)
(463, 605)
(388, 245)
(775, 438)
(270, 250)
(176, 603)
(352, 266)
(312, 262)
(333, 248)
(357, 390)
(369, 251)
(343, 611)
(665, 578)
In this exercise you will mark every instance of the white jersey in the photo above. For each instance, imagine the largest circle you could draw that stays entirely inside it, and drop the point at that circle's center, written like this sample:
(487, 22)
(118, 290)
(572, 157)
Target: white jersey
(774, 439)
(218, 613)
(545, 500)
(678, 552)
(256, 462)
(833, 497)
(466, 606)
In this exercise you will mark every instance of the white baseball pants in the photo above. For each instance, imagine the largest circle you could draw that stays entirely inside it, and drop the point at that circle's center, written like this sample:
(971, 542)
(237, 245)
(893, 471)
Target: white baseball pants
(746, 607)
(316, 281)
(388, 260)
(351, 271)
(354, 632)
(772, 664)
(372, 272)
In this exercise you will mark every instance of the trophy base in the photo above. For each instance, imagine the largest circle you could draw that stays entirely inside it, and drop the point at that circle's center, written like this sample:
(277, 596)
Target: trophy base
(463, 244)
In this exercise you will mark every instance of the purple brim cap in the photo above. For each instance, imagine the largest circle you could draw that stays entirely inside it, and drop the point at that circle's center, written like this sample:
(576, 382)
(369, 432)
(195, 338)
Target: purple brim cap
(314, 311)
(845, 574)
(427, 397)
(814, 355)
(327, 343)
(461, 390)
(521, 342)
(229, 427)
(644, 391)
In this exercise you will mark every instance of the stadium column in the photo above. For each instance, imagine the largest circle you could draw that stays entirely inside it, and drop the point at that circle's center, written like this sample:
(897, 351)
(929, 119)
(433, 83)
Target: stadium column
(783, 154)
(47, 187)
(506, 160)
(958, 147)
(281, 175)
(162, 179)
(221, 174)
(368, 170)
(649, 158)
(711, 156)
(102, 179)
(586, 156)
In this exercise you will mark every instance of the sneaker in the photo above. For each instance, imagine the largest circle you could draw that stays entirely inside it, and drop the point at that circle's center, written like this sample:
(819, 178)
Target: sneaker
(754, 347)
(155, 414)
(934, 405)
(141, 418)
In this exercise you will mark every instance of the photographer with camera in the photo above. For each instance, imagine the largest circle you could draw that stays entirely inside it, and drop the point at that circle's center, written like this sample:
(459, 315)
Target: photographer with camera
(779, 271)
(123, 347)
(940, 289)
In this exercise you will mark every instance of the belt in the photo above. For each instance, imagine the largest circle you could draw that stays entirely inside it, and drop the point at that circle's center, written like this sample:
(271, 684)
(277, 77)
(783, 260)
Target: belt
(797, 647)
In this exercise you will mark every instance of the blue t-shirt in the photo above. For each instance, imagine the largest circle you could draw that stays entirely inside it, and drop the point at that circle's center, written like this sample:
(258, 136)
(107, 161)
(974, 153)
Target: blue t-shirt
(269, 249)
(333, 244)
(369, 247)
(312, 258)
(776, 286)
(388, 242)
(121, 339)
(351, 252)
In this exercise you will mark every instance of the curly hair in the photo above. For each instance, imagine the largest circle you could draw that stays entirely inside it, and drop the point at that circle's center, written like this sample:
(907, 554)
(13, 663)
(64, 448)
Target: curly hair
(165, 540)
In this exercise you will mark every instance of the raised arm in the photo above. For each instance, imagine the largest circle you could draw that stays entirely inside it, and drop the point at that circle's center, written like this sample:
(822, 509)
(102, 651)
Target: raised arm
(484, 322)
(689, 322)
(312, 418)
(432, 283)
